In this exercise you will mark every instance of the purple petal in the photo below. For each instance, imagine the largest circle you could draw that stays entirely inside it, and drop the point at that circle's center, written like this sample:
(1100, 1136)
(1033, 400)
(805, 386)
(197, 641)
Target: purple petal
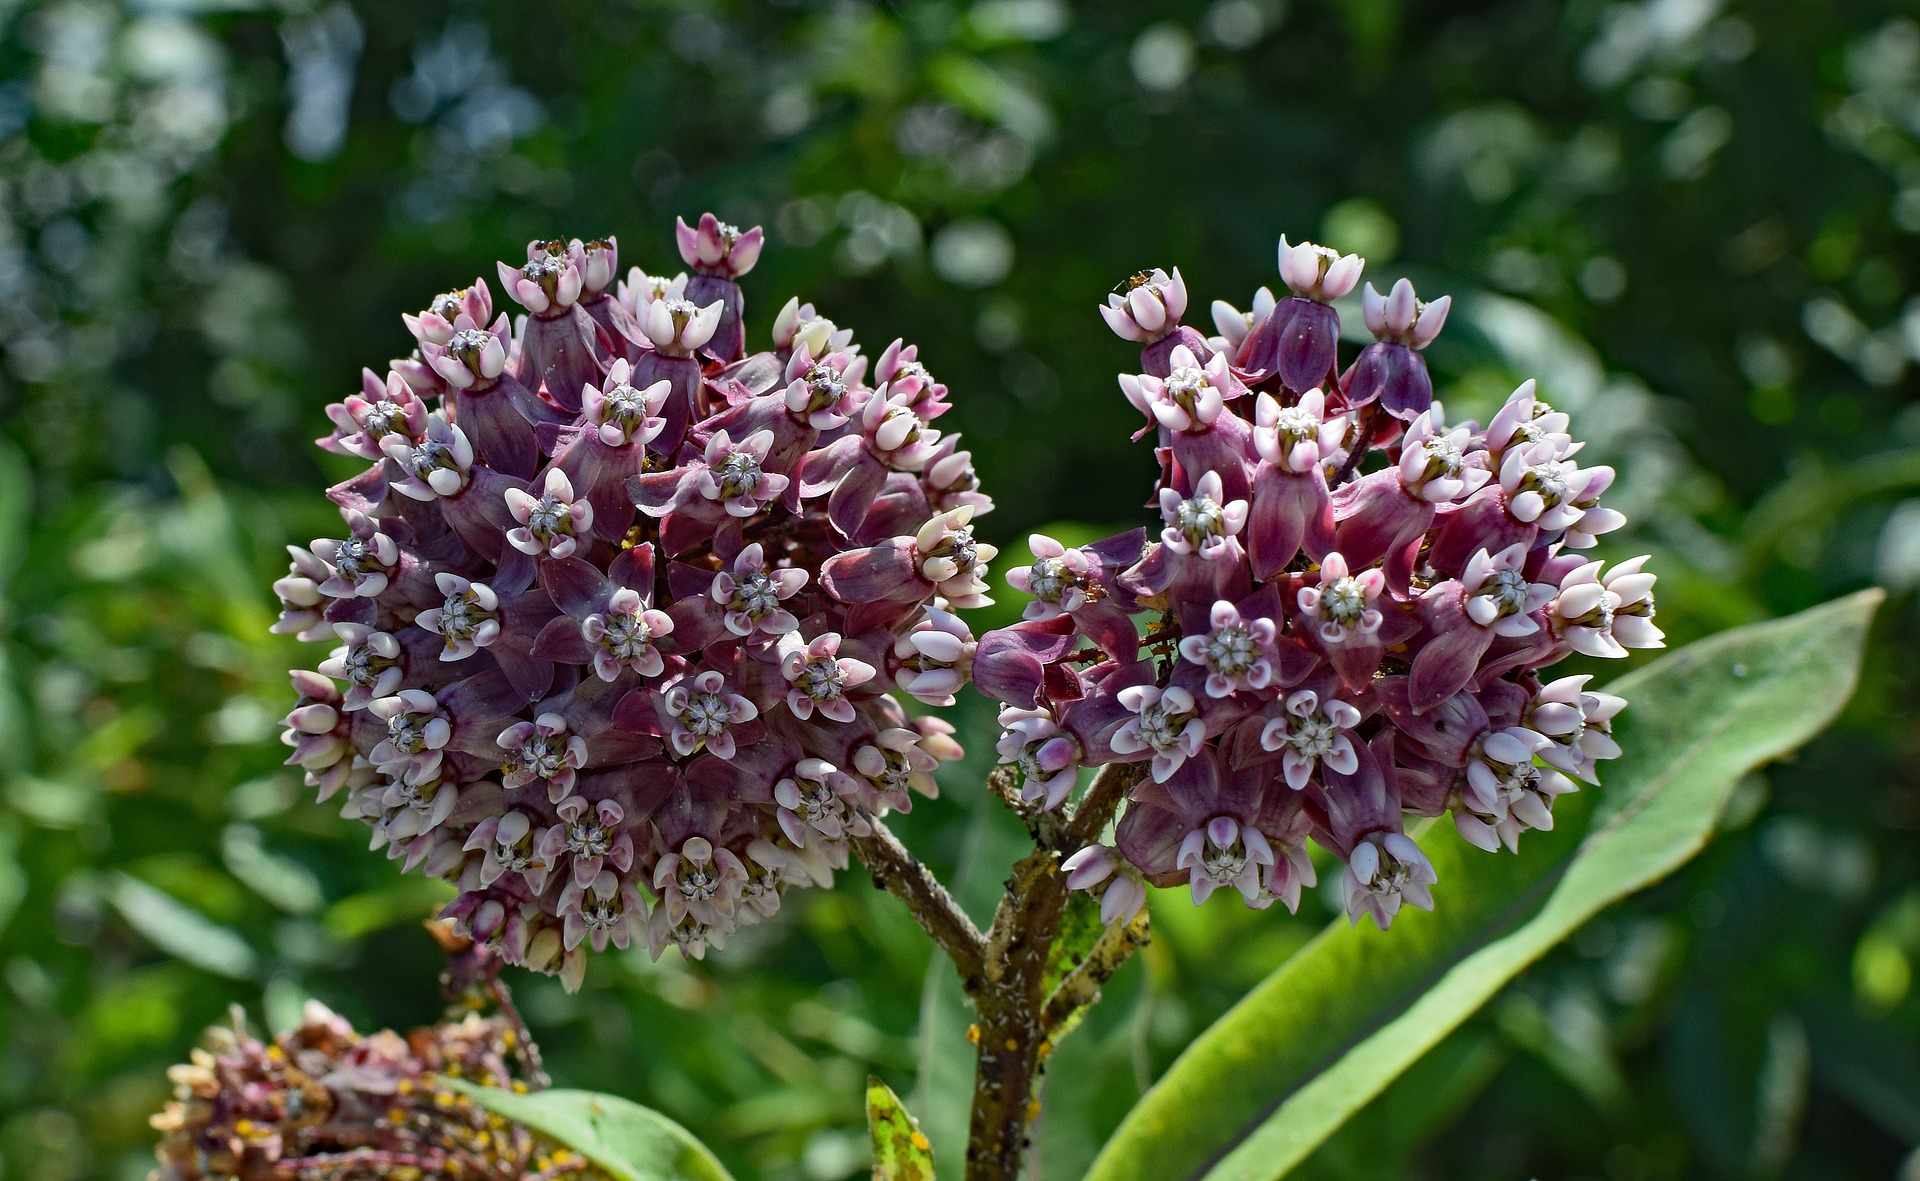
(1395, 376)
(529, 675)
(576, 586)
(853, 495)
(885, 572)
(1375, 517)
(501, 437)
(1288, 511)
(559, 353)
(1447, 662)
(1481, 523)
(1149, 837)
(1009, 664)
(1445, 732)
(561, 640)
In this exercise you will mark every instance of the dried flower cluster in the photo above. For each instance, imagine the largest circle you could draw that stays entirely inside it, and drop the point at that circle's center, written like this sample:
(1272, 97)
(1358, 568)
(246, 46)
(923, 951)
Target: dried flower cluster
(619, 607)
(323, 1103)
(1347, 609)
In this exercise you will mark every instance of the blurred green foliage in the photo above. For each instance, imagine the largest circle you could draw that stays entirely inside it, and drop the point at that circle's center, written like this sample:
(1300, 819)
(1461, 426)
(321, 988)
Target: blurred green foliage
(1696, 224)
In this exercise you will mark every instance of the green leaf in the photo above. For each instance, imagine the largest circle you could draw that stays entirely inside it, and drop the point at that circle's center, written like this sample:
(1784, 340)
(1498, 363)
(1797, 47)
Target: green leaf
(16, 508)
(628, 1141)
(1323, 1035)
(1080, 929)
(13, 878)
(900, 1152)
(410, 899)
(179, 930)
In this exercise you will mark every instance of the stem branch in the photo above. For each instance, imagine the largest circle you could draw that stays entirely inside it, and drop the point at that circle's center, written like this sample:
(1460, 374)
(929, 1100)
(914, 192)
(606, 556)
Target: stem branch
(1369, 424)
(523, 1043)
(1005, 970)
(1017, 1019)
(1082, 985)
(900, 873)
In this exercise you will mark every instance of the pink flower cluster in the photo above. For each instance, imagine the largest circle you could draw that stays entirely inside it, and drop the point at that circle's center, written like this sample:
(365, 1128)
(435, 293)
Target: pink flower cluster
(1347, 608)
(621, 610)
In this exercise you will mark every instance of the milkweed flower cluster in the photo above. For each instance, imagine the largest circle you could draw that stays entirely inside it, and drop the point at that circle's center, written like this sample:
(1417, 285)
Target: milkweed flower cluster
(323, 1103)
(623, 613)
(1348, 608)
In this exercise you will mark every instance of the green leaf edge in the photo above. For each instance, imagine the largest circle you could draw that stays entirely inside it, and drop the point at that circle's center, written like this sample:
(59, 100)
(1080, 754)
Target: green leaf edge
(1263, 1151)
(886, 1115)
(543, 1112)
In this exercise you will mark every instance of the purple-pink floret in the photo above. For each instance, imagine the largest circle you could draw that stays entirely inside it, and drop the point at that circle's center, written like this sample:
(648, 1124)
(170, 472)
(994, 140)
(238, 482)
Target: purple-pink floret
(623, 615)
(1338, 622)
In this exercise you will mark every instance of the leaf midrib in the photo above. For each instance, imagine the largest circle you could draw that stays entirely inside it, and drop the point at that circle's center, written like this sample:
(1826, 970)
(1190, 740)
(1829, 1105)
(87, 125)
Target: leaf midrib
(1506, 921)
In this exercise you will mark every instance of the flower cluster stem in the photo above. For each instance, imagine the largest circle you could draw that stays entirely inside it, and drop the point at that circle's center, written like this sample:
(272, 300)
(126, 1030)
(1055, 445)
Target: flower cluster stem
(1004, 971)
(524, 1047)
(901, 874)
(1369, 426)
(1019, 1017)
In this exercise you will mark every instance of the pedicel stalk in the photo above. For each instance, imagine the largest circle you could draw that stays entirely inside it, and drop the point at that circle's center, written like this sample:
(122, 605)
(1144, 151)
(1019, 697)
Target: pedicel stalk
(627, 620)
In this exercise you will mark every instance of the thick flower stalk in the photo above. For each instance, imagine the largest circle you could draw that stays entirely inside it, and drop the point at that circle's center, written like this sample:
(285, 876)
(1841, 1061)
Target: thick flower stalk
(323, 1103)
(623, 614)
(1340, 622)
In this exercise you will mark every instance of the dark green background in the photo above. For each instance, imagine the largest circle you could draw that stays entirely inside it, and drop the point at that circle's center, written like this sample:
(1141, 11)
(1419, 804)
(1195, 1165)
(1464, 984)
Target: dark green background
(1694, 224)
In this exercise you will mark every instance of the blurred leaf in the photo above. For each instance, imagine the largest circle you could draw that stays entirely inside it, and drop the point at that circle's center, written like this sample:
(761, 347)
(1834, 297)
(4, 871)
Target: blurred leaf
(16, 503)
(119, 738)
(1334, 1025)
(1816, 492)
(1878, 1073)
(142, 1007)
(943, 1086)
(282, 881)
(900, 1152)
(179, 930)
(13, 879)
(407, 899)
(53, 803)
(1883, 959)
(1433, 1093)
(630, 1142)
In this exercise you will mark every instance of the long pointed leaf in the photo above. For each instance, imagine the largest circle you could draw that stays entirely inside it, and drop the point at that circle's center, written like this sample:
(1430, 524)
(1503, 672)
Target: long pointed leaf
(627, 1141)
(1324, 1034)
(900, 1151)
